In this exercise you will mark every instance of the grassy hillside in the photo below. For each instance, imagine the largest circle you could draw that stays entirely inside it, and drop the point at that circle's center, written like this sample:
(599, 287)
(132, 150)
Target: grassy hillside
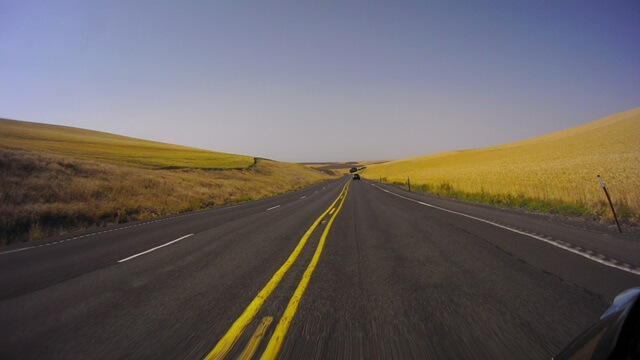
(113, 149)
(44, 193)
(554, 172)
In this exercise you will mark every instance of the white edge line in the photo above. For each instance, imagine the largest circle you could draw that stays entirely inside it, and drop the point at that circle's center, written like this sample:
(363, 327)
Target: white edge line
(116, 229)
(16, 250)
(129, 226)
(155, 248)
(275, 207)
(590, 257)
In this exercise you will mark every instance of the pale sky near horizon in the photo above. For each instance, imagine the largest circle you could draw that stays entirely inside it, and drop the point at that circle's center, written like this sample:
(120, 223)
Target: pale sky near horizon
(320, 81)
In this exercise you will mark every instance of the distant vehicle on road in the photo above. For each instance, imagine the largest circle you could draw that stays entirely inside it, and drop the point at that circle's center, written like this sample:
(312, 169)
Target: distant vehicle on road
(356, 176)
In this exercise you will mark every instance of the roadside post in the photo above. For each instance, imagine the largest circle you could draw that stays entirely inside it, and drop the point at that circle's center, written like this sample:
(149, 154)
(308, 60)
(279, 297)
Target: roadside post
(604, 187)
(409, 183)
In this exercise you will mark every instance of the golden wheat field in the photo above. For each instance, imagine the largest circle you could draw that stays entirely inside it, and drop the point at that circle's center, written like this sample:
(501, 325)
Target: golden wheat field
(559, 167)
(113, 149)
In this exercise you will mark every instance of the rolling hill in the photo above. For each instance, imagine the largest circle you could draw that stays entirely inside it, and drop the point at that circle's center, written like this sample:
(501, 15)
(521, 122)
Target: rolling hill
(112, 149)
(553, 172)
(56, 179)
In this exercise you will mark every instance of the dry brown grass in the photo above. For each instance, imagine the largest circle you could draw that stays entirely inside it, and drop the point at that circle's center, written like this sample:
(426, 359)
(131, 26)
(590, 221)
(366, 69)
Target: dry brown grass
(45, 194)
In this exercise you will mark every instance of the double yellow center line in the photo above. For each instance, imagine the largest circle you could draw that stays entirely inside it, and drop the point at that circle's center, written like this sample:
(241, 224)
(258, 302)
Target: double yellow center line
(229, 339)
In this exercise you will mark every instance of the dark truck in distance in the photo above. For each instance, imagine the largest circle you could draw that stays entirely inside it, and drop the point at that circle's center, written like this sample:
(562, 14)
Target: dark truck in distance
(356, 176)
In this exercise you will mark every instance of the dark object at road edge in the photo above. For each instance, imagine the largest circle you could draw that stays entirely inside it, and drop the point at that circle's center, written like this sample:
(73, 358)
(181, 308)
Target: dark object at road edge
(615, 336)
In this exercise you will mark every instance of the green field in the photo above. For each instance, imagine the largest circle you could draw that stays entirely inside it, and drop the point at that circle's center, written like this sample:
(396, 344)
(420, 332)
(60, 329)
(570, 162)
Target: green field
(113, 149)
(554, 172)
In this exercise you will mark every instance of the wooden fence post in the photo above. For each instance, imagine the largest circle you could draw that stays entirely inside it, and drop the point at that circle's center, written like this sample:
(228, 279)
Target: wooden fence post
(610, 203)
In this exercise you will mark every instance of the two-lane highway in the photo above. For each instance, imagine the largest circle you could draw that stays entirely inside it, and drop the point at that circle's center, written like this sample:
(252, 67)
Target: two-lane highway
(57, 259)
(345, 269)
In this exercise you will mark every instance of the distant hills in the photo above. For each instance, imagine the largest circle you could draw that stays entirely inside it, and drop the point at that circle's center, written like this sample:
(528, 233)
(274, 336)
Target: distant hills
(339, 168)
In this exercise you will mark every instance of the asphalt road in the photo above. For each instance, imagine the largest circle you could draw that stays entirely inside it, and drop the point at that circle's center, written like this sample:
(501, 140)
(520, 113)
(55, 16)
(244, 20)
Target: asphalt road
(344, 269)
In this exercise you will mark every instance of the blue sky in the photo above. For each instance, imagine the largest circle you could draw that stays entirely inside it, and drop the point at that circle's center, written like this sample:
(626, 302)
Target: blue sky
(320, 81)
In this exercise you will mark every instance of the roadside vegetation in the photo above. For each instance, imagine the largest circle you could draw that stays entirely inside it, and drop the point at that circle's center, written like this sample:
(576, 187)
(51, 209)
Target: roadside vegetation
(44, 193)
(554, 173)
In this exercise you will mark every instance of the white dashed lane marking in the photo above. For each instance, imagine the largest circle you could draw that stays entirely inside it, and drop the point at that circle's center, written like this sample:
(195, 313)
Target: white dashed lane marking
(153, 249)
(118, 229)
(106, 231)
